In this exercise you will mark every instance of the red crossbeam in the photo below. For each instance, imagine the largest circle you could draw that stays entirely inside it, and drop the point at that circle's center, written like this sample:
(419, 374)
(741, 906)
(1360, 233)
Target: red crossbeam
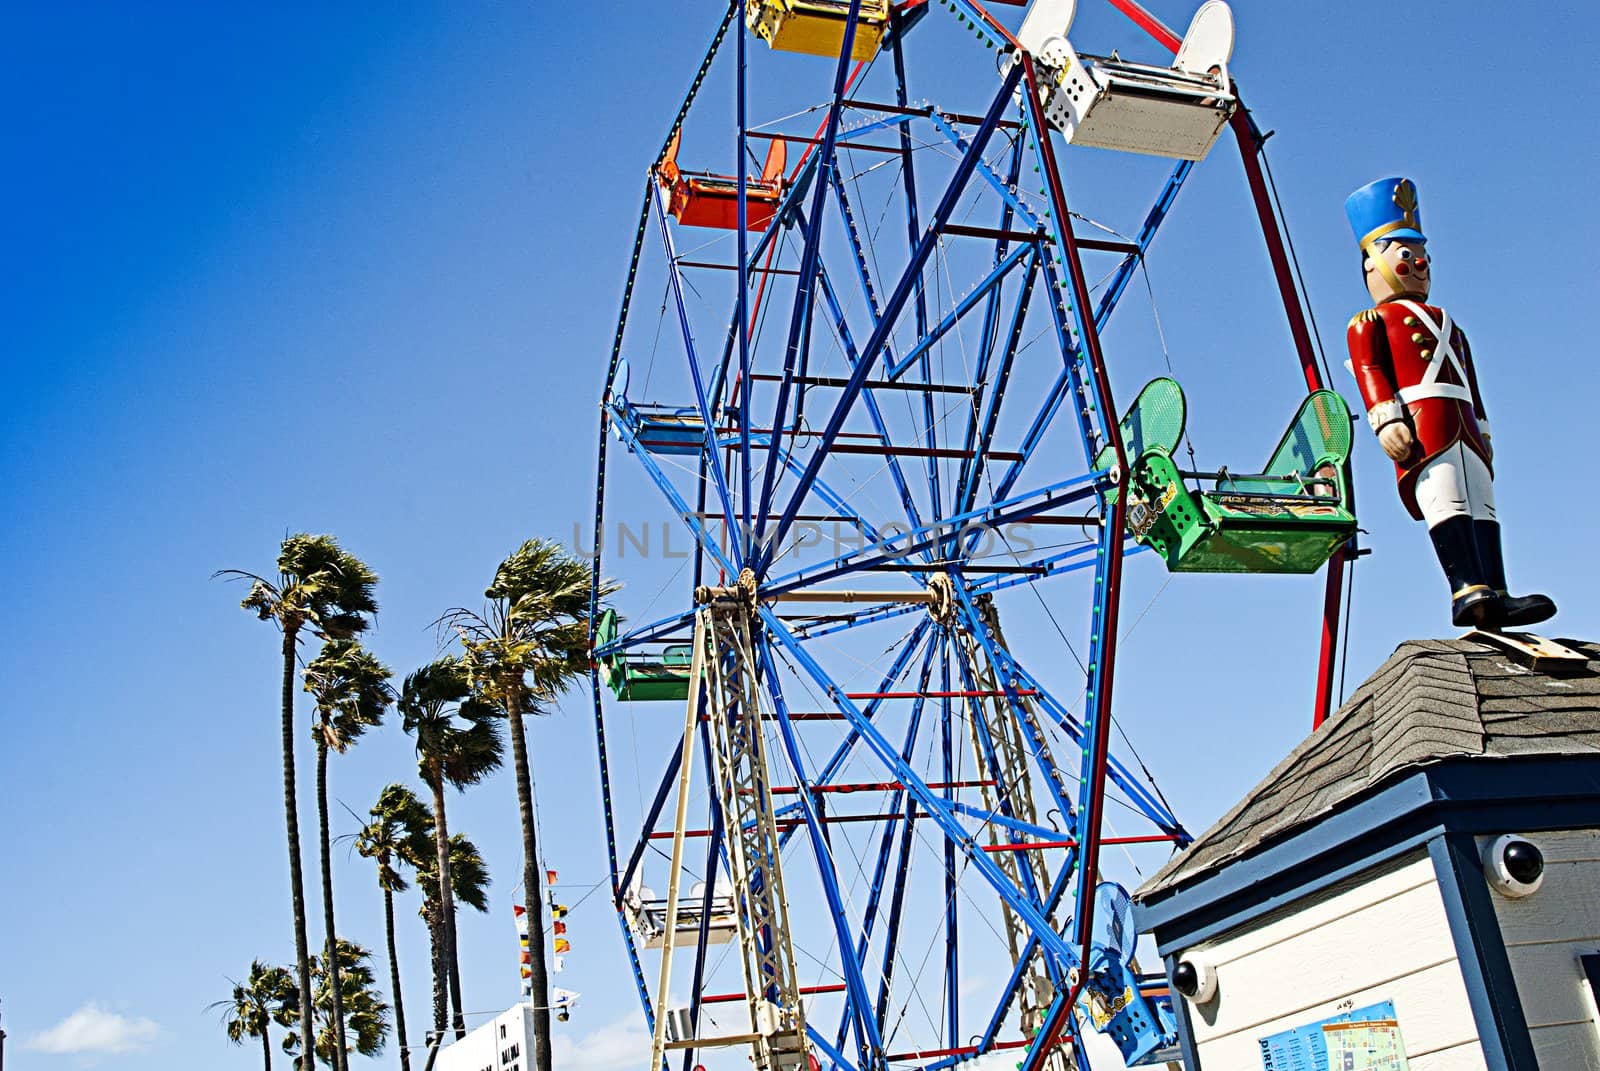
(1035, 845)
(878, 786)
(1127, 249)
(1149, 24)
(937, 695)
(805, 991)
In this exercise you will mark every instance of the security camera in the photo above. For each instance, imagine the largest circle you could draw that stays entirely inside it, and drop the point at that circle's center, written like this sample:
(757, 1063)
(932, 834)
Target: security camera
(1196, 979)
(1514, 867)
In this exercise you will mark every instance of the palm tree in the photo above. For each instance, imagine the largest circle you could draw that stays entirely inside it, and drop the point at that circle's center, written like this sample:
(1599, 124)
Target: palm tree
(268, 997)
(401, 824)
(322, 588)
(526, 647)
(366, 1015)
(469, 884)
(351, 688)
(458, 741)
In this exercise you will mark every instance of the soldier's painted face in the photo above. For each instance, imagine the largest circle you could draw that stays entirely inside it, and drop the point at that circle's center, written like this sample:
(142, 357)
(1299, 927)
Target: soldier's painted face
(1398, 269)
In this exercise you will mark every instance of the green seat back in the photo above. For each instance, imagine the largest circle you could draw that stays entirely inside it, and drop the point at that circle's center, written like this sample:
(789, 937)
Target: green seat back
(1319, 435)
(605, 628)
(1155, 420)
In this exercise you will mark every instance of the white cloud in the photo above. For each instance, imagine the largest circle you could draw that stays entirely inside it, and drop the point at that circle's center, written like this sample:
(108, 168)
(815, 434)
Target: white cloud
(623, 1044)
(95, 1030)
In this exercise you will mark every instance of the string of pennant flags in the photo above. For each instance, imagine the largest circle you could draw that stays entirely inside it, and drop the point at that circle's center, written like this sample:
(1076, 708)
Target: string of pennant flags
(561, 999)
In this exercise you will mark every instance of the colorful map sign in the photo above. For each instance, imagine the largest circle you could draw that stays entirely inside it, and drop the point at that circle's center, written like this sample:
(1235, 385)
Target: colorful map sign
(1365, 1039)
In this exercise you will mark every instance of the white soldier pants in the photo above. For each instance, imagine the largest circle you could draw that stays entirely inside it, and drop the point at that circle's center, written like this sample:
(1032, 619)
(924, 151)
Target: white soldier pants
(1455, 484)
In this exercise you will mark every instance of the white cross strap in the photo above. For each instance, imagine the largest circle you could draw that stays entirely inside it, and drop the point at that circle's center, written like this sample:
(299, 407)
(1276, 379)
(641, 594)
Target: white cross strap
(1443, 354)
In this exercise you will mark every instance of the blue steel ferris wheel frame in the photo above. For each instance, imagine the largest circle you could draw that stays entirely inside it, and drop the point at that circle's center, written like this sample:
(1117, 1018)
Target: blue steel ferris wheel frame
(925, 546)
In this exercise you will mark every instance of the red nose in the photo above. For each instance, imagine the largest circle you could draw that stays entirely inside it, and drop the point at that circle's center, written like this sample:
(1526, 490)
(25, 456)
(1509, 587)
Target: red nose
(1421, 263)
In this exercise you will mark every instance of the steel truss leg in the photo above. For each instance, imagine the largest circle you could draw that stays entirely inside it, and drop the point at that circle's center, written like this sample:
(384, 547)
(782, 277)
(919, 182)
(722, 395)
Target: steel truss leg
(729, 685)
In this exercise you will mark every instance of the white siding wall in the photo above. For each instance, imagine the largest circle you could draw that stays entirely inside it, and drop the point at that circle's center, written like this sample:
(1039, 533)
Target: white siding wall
(1382, 936)
(1544, 934)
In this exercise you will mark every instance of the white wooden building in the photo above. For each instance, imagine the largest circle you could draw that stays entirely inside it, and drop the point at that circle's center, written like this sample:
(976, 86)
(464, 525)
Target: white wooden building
(505, 1043)
(1416, 886)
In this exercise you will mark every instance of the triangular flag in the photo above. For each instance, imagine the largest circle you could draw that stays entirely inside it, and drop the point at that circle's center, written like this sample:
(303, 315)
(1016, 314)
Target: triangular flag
(527, 972)
(558, 964)
(560, 928)
(563, 945)
(527, 957)
(550, 877)
(518, 910)
(563, 998)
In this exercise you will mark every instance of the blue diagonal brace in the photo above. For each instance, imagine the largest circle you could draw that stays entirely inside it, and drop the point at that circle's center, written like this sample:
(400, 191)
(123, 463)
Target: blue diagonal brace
(868, 1041)
(891, 312)
(927, 799)
(800, 320)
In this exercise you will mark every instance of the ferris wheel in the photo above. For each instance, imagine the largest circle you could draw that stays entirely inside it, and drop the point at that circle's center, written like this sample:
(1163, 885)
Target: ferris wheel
(850, 822)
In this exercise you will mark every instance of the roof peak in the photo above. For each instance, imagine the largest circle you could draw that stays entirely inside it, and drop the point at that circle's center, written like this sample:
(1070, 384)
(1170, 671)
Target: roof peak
(1431, 701)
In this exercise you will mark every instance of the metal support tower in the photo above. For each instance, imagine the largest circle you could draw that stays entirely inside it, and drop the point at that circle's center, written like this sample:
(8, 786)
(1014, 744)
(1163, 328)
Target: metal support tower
(725, 694)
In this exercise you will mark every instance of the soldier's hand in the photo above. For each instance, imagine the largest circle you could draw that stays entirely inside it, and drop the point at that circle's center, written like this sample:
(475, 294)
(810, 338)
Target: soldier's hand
(1397, 440)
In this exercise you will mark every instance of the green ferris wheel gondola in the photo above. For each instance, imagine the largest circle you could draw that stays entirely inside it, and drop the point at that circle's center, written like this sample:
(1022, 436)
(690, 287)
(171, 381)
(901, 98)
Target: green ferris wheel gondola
(1288, 518)
(636, 678)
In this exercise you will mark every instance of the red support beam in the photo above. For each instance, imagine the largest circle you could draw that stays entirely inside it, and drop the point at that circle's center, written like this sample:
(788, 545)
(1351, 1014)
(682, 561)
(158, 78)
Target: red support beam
(1096, 749)
(938, 695)
(1244, 132)
(1030, 846)
(1149, 24)
(961, 230)
(805, 991)
(1127, 249)
(878, 786)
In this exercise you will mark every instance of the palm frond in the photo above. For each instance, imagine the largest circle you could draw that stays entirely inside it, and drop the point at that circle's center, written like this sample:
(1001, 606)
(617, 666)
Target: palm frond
(352, 691)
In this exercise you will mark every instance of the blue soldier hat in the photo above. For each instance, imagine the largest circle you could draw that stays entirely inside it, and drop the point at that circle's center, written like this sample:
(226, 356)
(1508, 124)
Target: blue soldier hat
(1385, 209)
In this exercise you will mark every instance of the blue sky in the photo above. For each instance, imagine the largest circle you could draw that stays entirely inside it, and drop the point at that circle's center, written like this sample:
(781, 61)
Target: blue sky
(356, 271)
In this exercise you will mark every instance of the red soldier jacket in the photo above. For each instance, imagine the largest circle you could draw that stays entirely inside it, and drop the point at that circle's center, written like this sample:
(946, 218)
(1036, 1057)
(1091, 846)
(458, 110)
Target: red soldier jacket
(1406, 372)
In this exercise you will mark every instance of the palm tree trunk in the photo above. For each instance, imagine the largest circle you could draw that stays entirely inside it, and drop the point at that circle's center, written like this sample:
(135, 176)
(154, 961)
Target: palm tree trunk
(266, 1047)
(297, 889)
(534, 890)
(447, 901)
(330, 957)
(394, 979)
(441, 993)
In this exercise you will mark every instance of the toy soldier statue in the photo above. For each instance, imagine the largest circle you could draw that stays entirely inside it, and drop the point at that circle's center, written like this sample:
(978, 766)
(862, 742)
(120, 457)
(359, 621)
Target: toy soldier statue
(1416, 377)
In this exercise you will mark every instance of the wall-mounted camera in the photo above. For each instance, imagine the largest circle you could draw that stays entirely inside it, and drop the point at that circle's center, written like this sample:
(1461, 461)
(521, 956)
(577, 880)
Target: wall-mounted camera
(1514, 866)
(1196, 978)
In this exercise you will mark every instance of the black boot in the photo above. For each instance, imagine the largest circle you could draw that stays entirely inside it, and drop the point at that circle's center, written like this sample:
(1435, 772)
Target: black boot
(1515, 609)
(1473, 602)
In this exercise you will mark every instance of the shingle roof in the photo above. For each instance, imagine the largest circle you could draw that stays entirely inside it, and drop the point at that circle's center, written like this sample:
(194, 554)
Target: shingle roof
(1432, 700)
